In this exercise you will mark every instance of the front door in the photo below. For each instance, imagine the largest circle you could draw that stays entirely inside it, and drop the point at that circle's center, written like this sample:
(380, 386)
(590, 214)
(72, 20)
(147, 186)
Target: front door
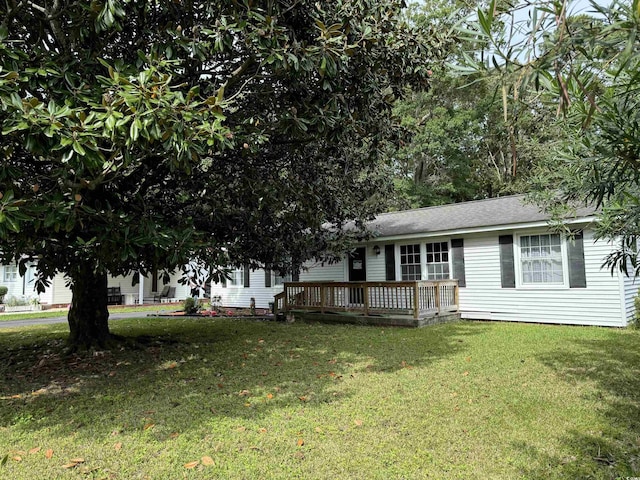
(357, 273)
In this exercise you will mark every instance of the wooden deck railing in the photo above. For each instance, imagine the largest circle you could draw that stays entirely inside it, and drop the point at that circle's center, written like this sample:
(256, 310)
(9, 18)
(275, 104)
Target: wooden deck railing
(418, 299)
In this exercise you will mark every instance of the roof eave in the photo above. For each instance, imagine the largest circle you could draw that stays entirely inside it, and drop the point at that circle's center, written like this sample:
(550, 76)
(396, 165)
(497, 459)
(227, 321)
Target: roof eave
(482, 229)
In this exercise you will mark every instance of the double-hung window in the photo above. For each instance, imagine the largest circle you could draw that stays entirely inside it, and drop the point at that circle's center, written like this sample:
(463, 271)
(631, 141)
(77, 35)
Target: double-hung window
(410, 262)
(10, 273)
(541, 259)
(438, 261)
(236, 278)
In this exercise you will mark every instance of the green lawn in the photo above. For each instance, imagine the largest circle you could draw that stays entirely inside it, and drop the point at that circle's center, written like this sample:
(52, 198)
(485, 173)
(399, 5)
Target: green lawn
(230, 398)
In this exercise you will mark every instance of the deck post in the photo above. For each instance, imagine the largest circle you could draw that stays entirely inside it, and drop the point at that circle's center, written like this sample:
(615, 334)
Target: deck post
(437, 299)
(285, 301)
(323, 297)
(416, 301)
(365, 298)
(456, 295)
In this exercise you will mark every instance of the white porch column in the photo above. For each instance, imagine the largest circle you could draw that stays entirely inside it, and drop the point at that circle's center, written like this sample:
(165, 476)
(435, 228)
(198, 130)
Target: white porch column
(141, 289)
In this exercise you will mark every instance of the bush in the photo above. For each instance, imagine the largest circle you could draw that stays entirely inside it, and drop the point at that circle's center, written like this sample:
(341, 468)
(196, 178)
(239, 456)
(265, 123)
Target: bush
(191, 306)
(3, 292)
(13, 301)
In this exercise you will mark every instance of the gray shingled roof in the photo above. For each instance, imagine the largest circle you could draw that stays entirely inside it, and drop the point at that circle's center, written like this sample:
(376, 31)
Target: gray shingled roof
(493, 212)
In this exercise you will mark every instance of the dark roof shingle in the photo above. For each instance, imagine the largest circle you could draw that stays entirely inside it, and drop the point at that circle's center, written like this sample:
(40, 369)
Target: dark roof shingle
(492, 212)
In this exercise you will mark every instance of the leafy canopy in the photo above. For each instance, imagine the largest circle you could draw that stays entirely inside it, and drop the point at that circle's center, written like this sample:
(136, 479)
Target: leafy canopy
(138, 135)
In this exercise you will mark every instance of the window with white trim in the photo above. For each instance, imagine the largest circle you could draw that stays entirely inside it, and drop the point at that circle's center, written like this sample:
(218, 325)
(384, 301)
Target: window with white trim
(277, 280)
(541, 259)
(236, 278)
(410, 262)
(10, 273)
(438, 261)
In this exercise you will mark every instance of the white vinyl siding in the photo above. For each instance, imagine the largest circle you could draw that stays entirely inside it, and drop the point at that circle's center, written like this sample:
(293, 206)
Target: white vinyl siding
(629, 287)
(483, 298)
(241, 297)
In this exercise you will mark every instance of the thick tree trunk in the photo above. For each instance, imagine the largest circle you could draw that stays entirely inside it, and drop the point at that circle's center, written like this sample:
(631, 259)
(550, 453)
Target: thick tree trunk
(88, 315)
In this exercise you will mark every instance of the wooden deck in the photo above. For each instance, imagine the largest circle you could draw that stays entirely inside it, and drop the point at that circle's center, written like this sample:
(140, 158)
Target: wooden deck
(416, 299)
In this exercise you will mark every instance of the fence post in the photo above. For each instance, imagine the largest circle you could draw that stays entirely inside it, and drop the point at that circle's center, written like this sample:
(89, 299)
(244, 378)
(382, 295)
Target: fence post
(416, 300)
(437, 287)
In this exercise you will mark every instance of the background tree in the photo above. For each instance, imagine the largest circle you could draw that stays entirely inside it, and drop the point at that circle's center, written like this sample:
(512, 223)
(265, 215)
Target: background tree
(472, 137)
(588, 63)
(140, 135)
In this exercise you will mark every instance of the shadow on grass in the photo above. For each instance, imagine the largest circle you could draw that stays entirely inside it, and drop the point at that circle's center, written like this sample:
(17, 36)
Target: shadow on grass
(612, 365)
(187, 373)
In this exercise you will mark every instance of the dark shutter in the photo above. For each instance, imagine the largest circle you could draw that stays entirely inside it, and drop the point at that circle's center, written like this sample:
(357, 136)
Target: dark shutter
(457, 261)
(575, 250)
(295, 276)
(390, 262)
(246, 276)
(507, 267)
(267, 277)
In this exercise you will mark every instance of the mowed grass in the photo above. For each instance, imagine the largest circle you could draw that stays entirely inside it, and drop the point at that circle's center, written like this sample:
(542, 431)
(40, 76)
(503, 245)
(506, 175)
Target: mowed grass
(241, 399)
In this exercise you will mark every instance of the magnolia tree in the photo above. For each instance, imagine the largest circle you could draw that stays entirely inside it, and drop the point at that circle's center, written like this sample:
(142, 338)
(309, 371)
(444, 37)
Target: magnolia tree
(138, 136)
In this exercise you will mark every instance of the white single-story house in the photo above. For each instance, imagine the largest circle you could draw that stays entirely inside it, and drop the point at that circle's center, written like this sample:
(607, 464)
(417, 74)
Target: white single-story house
(509, 264)
(58, 292)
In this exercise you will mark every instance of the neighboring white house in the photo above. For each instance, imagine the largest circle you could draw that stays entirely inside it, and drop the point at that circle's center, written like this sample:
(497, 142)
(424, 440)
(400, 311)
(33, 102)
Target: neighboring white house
(58, 292)
(509, 264)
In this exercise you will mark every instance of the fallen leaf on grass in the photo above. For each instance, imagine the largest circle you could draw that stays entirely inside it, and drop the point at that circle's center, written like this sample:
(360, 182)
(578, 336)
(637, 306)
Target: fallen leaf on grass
(300, 442)
(358, 423)
(191, 465)
(74, 462)
(241, 429)
(465, 374)
(269, 396)
(303, 398)
(17, 458)
(48, 454)
(118, 446)
(207, 461)
(148, 426)
(34, 450)
(263, 430)
(244, 393)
